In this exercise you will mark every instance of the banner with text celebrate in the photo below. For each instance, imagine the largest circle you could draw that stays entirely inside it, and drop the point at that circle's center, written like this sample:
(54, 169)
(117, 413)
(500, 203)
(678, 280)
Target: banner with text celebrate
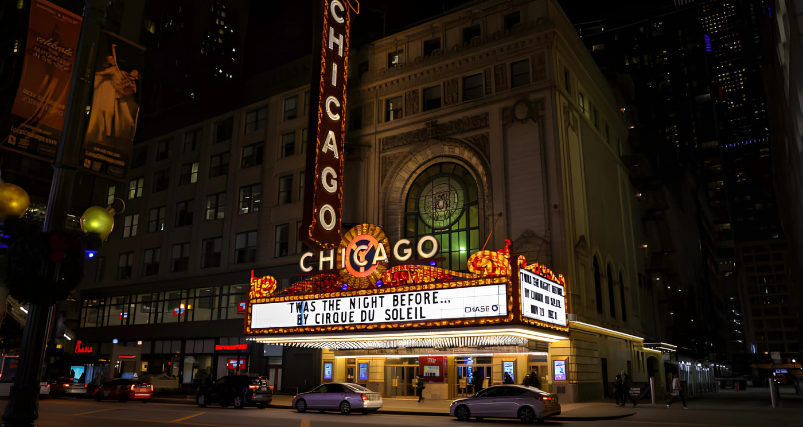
(323, 198)
(37, 115)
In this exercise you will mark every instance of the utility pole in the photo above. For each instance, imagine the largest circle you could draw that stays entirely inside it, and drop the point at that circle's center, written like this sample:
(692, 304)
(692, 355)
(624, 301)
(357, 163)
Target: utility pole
(23, 404)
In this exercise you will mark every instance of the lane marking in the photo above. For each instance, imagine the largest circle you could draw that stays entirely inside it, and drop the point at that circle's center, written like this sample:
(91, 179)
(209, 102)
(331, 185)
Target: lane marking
(99, 410)
(304, 423)
(186, 418)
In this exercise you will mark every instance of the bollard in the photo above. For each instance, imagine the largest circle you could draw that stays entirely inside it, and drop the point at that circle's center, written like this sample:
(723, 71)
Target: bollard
(774, 398)
(652, 389)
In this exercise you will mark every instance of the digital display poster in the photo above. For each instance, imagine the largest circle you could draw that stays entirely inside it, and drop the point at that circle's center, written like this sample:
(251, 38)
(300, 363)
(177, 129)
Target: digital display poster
(327, 371)
(542, 299)
(363, 371)
(508, 368)
(560, 370)
(416, 306)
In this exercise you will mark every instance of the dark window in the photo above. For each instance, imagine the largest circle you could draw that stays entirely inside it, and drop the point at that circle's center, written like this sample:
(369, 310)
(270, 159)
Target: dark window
(163, 149)
(622, 297)
(432, 98)
(223, 130)
(191, 139)
(215, 206)
(362, 68)
(161, 180)
(184, 213)
(135, 187)
(512, 19)
(598, 285)
(130, 225)
(181, 257)
(285, 189)
(519, 73)
(150, 263)
(393, 109)
(125, 266)
(306, 102)
(431, 46)
(219, 165)
(250, 198)
(611, 293)
(253, 155)
(567, 80)
(472, 87)
(245, 247)
(355, 118)
(139, 157)
(288, 144)
(189, 174)
(282, 240)
(301, 186)
(255, 120)
(395, 58)
(156, 220)
(290, 108)
(471, 32)
(304, 140)
(210, 252)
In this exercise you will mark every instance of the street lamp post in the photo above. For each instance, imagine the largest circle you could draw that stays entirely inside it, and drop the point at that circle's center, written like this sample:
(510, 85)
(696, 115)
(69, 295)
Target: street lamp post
(23, 405)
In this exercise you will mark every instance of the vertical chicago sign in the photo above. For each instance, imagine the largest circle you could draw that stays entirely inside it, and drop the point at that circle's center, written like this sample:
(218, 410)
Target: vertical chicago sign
(323, 198)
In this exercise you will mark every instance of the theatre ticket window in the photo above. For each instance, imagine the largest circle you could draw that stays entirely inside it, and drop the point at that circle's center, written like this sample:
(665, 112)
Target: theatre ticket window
(443, 201)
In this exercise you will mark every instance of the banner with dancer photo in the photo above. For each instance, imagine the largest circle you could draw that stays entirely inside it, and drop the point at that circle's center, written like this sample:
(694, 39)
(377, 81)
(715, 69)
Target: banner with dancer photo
(37, 115)
(115, 106)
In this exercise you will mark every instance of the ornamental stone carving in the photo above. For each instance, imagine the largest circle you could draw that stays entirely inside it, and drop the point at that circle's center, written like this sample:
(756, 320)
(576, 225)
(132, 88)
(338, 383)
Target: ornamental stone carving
(435, 130)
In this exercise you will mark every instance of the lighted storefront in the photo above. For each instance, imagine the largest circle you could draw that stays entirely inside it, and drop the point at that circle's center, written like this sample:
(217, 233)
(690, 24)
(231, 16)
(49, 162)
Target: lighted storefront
(380, 324)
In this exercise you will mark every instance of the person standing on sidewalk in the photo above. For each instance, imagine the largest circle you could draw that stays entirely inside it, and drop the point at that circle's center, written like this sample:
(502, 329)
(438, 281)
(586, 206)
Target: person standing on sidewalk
(625, 389)
(419, 384)
(617, 389)
(676, 391)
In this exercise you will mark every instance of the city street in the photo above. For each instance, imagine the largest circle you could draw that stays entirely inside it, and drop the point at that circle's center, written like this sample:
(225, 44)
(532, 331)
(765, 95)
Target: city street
(749, 408)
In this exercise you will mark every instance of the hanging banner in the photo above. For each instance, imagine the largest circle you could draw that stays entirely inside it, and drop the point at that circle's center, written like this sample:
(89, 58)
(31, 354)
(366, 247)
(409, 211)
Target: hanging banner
(323, 199)
(37, 115)
(115, 106)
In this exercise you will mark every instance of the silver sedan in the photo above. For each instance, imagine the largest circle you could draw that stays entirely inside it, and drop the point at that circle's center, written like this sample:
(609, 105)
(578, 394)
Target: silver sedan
(345, 397)
(510, 401)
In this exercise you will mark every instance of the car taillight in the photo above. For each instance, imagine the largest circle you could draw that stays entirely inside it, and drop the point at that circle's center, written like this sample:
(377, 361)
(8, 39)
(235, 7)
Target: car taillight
(364, 397)
(151, 387)
(253, 386)
(66, 385)
(543, 398)
(84, 385)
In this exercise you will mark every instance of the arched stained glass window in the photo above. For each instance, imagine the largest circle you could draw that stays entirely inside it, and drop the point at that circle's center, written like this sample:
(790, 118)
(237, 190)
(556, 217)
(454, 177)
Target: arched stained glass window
(443, 202)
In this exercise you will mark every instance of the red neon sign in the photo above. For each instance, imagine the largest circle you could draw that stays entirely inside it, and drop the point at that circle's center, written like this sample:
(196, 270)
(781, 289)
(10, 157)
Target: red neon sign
(241, 307)
(127, 357)
(82, 350)
(231, 347)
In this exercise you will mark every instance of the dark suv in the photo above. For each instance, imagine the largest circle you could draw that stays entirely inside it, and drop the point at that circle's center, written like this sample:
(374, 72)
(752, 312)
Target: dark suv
(236, 390)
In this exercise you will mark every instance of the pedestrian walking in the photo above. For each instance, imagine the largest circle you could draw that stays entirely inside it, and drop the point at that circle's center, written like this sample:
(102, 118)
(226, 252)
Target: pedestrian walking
(508, 379)
(676, 391)
(419, 384)
(617, 389)
(625, 390)
(534, 380)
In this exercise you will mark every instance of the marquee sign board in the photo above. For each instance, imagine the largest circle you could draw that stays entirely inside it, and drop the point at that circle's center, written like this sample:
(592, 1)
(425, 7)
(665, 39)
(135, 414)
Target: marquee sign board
(542, 299)
(323, 199)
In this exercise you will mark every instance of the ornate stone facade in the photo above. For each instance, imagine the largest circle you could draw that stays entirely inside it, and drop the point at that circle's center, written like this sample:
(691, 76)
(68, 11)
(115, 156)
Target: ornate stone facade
(435, 130)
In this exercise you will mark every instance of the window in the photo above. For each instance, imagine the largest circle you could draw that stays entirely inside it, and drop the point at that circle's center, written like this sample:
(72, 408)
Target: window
(301, 186)
(443, 202)
(472, 87)
(282, 240)
(163, 149)
(184, 213)
(285, 189)
(512, 19)
(156, 220)
(161, 180)
(290, 108)
(393, 109)
(519, 73)
(255, 120)
(210, 252)
(594, 117)
(189, 174)
(288, 144)
(111, 194)
(611, 294)
(245, 247)
(139, 157)
(252, 155)
(431, 46)
(191, 139)
(219, 165)
(583, 104)
(125, 265)
(597, 285)
(567, 80)
(150, 264)
(355, 118)
(215, 206)
(622, 297)
(130, 225)
(607, 134)
(135, 187)
(306, 102)
(250, 198)
(395, 58)
(101, 267)
(303, 140)
(362, 68)
(432, 98)
(470, 33)
(181, 258)
(223, 130)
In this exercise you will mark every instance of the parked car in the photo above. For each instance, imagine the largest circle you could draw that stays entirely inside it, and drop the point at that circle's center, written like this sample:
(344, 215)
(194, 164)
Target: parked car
(66, 387)
(510, 401)
(345, 397)
(125, 390)
(236, 390)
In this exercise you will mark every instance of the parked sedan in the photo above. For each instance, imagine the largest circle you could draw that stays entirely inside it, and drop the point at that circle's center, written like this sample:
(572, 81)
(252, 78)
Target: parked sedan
(66, 387)
(124, 390)
(236, 390)
(510, 401)
(345, 397)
